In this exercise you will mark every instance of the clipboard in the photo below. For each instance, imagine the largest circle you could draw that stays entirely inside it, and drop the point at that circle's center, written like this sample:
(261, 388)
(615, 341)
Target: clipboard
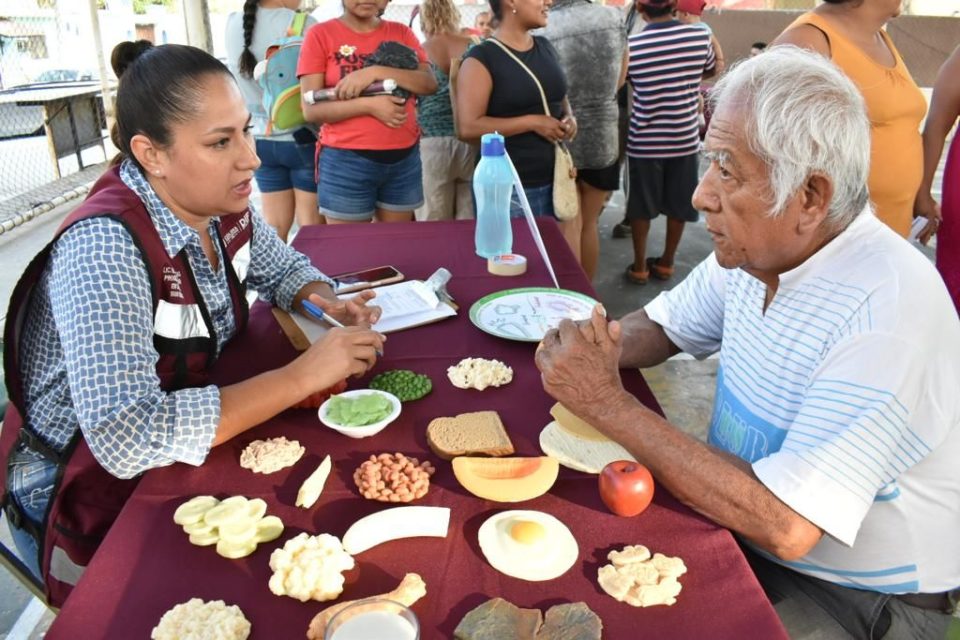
(407, 304)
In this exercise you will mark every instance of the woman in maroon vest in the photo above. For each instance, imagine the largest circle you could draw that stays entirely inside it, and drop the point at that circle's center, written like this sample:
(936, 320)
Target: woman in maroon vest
(112, 329)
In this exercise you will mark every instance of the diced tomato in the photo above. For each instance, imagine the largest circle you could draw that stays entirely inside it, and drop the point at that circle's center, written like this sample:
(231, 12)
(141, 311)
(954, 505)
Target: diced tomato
(314, 400)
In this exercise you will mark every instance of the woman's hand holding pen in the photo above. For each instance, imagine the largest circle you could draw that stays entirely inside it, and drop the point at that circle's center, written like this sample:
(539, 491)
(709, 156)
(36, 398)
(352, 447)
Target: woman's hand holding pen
(342, 352)
(350, 311)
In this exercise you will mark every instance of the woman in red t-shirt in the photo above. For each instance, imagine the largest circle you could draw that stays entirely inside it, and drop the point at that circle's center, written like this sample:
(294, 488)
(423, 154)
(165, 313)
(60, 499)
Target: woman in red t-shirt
(370, 160)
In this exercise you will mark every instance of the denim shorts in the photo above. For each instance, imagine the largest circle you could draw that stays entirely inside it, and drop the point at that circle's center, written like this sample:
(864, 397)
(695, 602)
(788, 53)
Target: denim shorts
(352, 187)
(31, 479)
(540, 199)
(285, 164)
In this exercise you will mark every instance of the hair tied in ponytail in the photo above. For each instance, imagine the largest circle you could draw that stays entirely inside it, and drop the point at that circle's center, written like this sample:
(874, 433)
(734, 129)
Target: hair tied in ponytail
(126, 53)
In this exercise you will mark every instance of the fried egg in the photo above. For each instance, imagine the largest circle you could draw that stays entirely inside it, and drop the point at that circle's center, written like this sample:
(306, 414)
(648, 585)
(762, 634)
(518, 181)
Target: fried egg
(529, 545)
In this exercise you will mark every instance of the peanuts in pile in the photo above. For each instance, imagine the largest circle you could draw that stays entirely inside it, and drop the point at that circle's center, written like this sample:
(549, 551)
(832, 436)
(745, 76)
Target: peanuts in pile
(393, 477)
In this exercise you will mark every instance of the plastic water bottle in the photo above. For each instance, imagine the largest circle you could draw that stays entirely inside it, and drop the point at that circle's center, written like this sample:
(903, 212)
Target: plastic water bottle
(492, 188)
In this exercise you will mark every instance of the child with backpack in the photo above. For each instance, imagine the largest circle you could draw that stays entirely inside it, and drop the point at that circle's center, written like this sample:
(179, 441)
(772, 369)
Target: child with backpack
(287, 176)
(370, 159)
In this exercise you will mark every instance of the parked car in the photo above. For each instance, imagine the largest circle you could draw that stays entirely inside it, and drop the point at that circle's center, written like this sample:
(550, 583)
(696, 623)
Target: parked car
(27, 120)
(65, 75)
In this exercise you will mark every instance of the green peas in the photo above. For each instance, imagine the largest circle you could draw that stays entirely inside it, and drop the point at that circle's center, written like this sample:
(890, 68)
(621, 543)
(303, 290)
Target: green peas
(403, 383)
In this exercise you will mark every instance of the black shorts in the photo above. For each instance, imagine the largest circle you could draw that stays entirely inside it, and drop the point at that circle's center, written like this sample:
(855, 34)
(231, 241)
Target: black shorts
(603, 179)
(663, 185)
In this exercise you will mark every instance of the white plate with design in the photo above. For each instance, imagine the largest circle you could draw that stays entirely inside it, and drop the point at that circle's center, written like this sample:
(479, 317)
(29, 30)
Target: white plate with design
(527, 314)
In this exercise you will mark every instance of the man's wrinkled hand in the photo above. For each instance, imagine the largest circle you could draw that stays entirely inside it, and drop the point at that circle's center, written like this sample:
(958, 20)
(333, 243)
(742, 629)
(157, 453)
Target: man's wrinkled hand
(579, 363)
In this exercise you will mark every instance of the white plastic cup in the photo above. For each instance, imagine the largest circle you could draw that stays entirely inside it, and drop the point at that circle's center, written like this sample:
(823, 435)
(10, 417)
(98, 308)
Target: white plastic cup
(374, 620)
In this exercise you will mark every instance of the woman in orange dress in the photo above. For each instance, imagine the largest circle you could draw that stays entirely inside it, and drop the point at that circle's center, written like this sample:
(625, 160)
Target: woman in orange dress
(850, 32)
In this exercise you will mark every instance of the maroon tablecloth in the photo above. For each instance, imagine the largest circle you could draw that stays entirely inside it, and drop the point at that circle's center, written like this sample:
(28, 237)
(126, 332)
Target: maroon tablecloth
(146, 565)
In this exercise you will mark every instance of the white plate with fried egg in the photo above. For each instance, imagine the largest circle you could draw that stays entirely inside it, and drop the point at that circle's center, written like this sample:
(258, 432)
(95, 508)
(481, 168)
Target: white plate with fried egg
(529, 545)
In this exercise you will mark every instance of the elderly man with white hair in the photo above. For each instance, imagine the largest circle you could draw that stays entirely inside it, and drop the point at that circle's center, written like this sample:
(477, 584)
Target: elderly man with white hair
(834, 441)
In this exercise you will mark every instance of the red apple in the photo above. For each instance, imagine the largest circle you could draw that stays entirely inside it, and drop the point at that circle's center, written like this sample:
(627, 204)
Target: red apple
(626, 487)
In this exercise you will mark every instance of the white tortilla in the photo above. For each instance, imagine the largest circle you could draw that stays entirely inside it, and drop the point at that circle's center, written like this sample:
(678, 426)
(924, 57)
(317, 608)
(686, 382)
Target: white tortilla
(580, 454)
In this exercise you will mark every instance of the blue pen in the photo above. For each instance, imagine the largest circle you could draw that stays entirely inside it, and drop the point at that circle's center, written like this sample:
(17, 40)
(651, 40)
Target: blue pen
(318, 313)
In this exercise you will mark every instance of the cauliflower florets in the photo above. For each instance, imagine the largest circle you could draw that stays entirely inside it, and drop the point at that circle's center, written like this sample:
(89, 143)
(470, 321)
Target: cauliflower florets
(479, 373)
(310, 568)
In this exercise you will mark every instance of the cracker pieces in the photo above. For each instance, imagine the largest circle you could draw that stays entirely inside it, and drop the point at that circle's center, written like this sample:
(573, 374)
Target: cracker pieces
(640, 580)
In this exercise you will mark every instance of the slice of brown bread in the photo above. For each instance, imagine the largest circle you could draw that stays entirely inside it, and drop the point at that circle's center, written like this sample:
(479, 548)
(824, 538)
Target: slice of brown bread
(570, 621)
(498, 619)
(477, 433)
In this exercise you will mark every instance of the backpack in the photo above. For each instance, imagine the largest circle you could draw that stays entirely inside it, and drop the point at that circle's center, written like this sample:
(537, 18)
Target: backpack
(278, 79)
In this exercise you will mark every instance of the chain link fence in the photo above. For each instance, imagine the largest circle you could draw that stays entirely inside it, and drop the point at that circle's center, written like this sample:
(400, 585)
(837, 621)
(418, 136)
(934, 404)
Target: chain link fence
(53, 128)
(51, 121)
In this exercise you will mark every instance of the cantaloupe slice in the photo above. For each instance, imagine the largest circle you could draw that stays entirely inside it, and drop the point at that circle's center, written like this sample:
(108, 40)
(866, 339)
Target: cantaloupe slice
(506, 479)
(574, 425)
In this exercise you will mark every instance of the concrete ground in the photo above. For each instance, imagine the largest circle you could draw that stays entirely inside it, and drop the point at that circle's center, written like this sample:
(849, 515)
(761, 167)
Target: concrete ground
(683, 386)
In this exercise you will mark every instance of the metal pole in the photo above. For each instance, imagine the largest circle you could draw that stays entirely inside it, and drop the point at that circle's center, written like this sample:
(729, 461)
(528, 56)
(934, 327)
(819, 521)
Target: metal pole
(101, 62)
(196, 14)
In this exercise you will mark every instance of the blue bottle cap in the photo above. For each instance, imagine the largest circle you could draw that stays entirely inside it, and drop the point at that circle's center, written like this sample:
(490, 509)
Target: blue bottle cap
(491, 144)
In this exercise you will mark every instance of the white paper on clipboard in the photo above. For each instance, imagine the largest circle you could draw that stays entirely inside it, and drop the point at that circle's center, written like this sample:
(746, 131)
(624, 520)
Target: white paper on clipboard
(405, 305)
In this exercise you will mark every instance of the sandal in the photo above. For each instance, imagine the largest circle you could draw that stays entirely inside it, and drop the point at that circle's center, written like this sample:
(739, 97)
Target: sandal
(659, 271)
(637, 277)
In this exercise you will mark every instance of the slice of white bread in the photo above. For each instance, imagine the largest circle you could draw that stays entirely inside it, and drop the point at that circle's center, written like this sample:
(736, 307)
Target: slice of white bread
(574, 425)
(580, 454)
(469, 434)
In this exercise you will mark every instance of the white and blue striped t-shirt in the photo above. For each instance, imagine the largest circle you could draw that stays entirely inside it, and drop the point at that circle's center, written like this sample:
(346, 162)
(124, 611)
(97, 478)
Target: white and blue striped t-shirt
(845, 396)
(667, 62)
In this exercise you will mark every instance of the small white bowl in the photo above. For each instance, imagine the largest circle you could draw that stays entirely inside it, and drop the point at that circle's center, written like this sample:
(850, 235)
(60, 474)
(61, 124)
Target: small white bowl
(367, 429)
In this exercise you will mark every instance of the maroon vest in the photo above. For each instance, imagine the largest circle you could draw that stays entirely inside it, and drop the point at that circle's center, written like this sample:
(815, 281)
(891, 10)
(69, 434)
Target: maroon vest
(86, 498)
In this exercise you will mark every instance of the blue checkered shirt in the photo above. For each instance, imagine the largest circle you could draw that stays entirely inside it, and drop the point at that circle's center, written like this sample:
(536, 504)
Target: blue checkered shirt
(87, 354)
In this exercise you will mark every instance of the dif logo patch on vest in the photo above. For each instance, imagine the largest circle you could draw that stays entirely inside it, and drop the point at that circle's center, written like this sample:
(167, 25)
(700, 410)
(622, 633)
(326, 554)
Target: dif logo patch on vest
(173, 282)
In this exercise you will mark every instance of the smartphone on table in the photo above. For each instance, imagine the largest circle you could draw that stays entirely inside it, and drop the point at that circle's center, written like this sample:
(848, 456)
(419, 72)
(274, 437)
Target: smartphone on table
(365, 279)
